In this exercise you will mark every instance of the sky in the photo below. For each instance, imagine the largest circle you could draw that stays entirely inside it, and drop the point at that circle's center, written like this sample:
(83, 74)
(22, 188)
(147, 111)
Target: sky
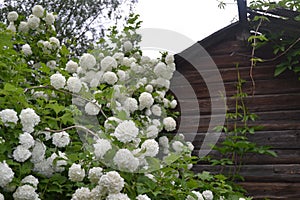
(195, 19)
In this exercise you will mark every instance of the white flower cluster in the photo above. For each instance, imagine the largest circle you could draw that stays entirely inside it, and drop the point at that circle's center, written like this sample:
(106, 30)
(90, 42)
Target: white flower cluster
(61, 139)
(8, 116)
(6, 175)
(26, 192)
(29, 119)
(205, 195)
(76, 173)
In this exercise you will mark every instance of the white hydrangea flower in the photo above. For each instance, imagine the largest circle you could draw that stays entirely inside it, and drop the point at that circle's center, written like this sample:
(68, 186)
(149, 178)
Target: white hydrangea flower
(118, 56)
(142, 197)
(25, 192)
(126, 131)
(54, 42)
(74, 84)
(29, 119)
(38, 152)
(21, 154)
(30, 180)
(162, 83)
(26, 140)
(127, 46)
(242, 198)
(146, 100)
(71, 66)
(44, 167)
(125, 160)
(87, 61)
(208, 195)
(50, 18)
(12, 16)
(38, 11)
(190, 146)
(76, 174)
(92, 108)
(1, 197)
(112, 181)
(156, 122)
(169, 124)
(164, 141)
(51, 64)
(173, 104)
(198, 195)
(152, 131)
(110, 78)
(121, 75)
(26, 49)
(95, 174)
(131, 104)
(101, 147)
(33, 22)
(151, 147)
(98, 192)
(61, 139)
(11, 27)
(23, 27)
(156, 110)
(149, 88)
(6, 175)
(58, 81)
(118, 196)
(169, 59)
(82, 193)
(8, 116)
(177, 146)
(61, 161)
(108, 63)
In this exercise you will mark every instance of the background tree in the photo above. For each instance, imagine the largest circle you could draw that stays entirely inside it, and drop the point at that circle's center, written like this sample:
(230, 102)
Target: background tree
(80, 22)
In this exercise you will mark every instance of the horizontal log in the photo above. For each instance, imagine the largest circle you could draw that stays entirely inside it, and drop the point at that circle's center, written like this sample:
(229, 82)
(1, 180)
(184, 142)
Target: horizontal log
(283, 139)
(262, 87)
(284, 156)
(272, 190)
(259, 173)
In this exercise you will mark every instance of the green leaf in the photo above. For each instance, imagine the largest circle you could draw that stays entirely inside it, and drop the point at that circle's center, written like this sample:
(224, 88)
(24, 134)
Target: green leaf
(280, 69)
(171, 158)
(56, 107)
(122, 115)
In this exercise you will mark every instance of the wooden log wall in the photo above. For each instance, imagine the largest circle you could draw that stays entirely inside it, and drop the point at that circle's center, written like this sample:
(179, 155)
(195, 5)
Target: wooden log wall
(276, 101)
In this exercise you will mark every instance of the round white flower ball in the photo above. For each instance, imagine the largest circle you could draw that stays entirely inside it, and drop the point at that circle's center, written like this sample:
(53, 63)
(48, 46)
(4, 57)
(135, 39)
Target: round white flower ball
(146, 100)
(125, 160)
(87, 61)
(25, 192)
(11, 27)
(95, 174)
(149, 88)
(12, 16)
(6, 175)
(156, 110)
(71, 66)
(76, 174)
(112, 181)
(51, 64)
(164, 141)
(26, 140)
(57, 80)
(8, 116)
(101, 147)
(108, 63)
(1, 197)
(26, 49)
(61, 139)
(121, 75)
(169, 59)
(110, 78)
(38, 11)
(92, 108)
(131, 104)
(29, 119)
(177, 146)
(126, 131)
(33, 22)
(23, 27)
(127, 46)
(50, 18)
(30, 180)
(208, 195)
(198, 195)
(118, 196)
(74, 84)
(169, 124)
(81, 194)
(21, 154)
(152, 131)
(173, 104)
(54, 42)
(151, 147)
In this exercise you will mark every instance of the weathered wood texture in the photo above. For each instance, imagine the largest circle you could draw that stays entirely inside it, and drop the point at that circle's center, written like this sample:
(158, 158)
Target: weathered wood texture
(276, 101)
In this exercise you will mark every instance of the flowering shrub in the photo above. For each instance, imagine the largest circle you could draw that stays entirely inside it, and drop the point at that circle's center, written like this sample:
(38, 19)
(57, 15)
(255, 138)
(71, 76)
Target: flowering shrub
(91, 127)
